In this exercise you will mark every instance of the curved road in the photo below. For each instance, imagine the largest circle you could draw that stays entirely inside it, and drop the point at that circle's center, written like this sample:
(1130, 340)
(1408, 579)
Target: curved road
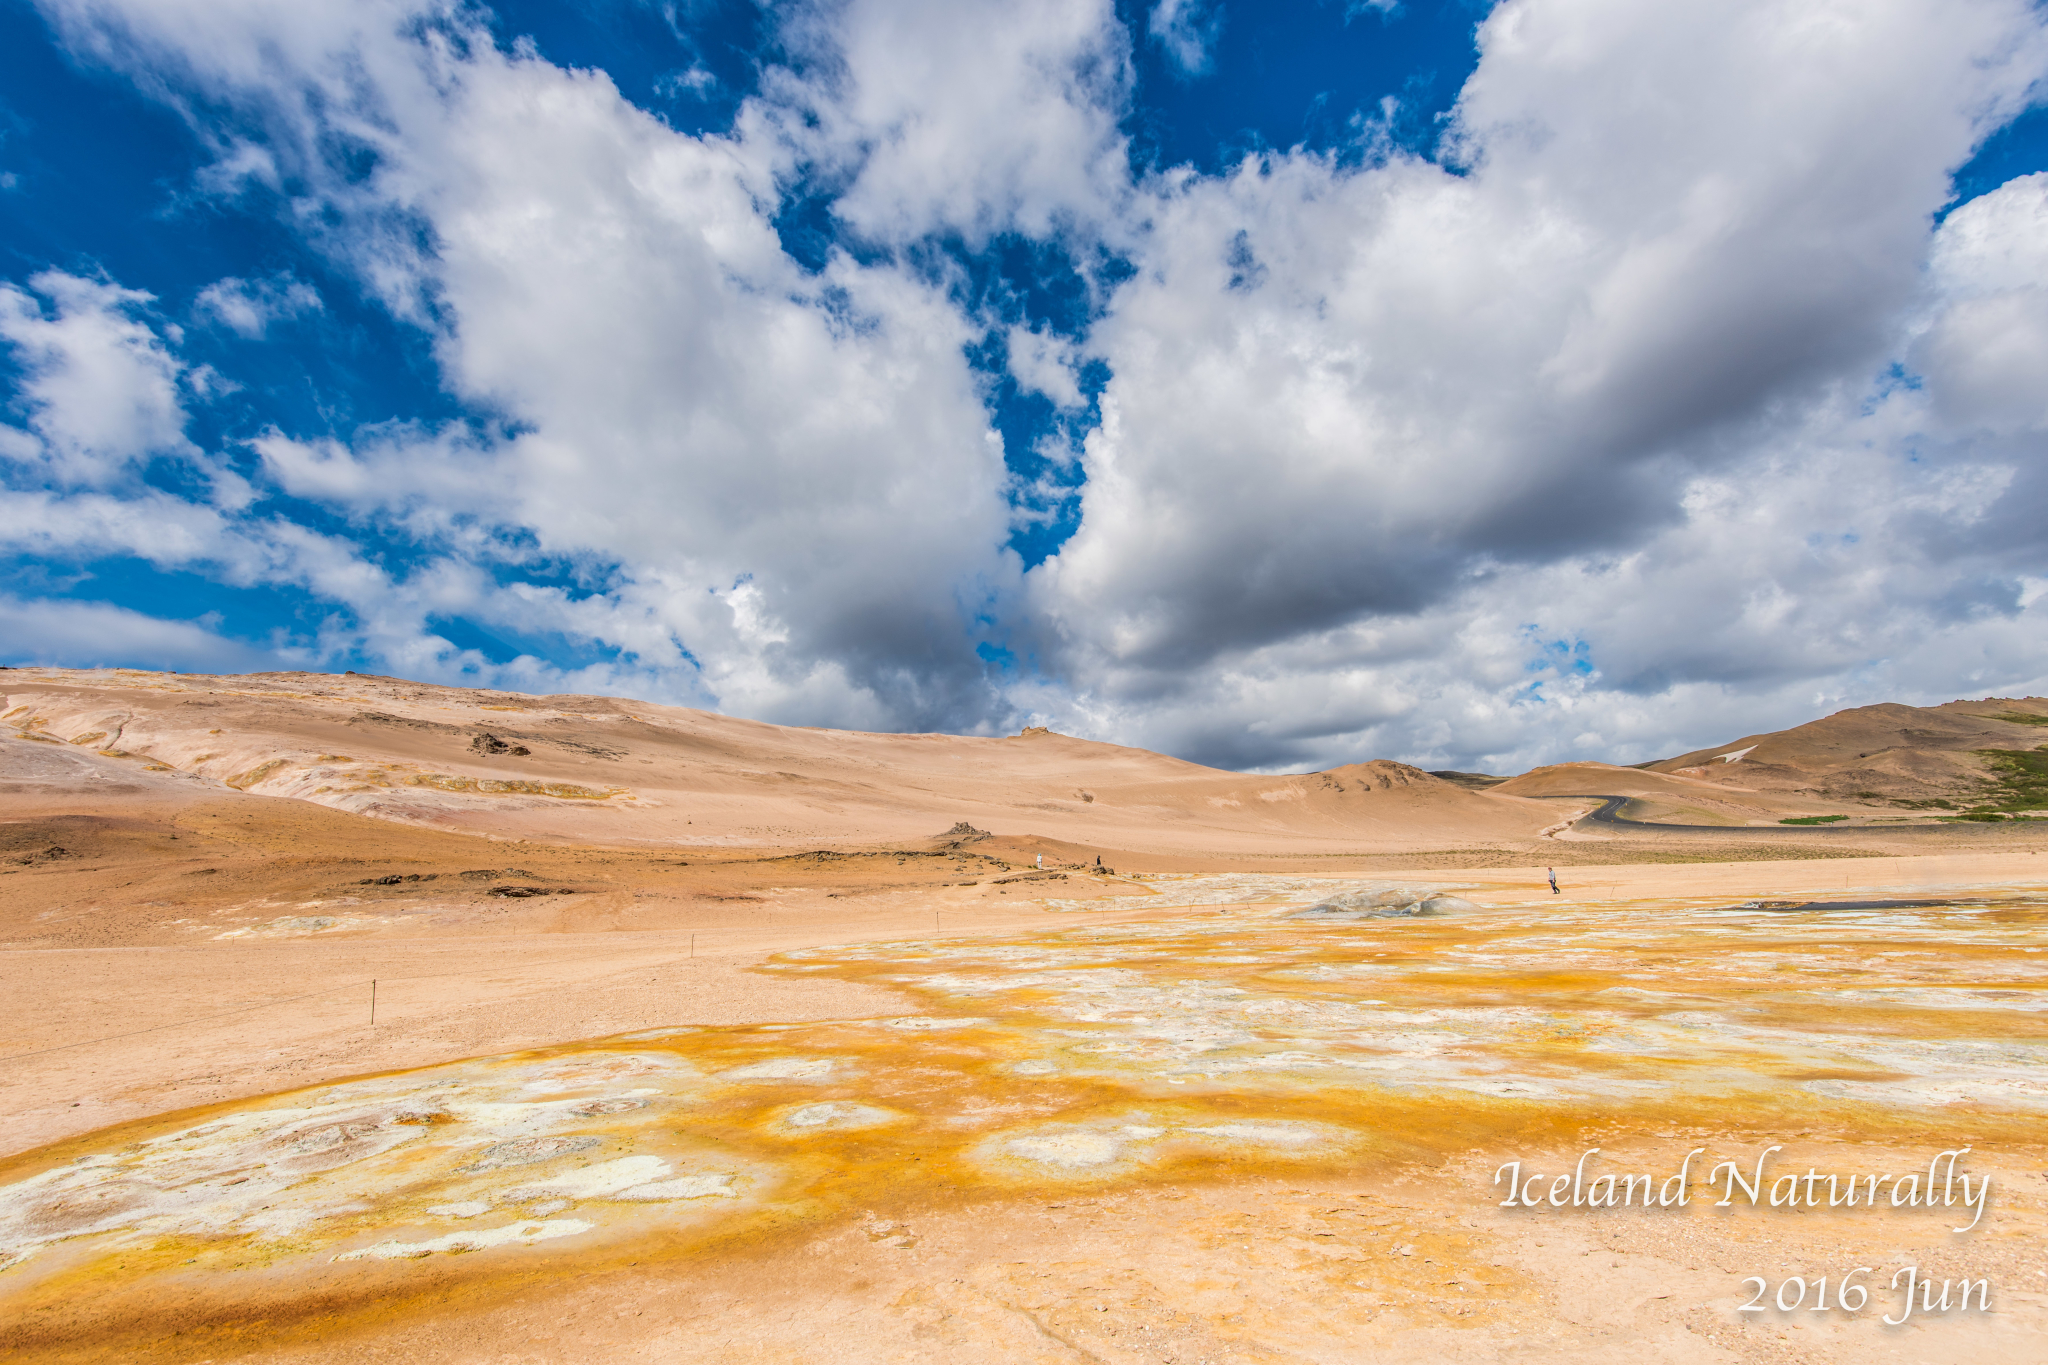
(1605, 815)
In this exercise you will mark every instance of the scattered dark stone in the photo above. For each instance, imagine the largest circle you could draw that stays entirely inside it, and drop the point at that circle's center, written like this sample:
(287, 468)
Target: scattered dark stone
(48, 855)
(594, 750)
(488, 744)
(383, 718)
(522, 892)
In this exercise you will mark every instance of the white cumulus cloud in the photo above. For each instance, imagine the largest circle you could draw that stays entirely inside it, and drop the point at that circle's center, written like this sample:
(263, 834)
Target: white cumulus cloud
(1661, 410)
(100, 387)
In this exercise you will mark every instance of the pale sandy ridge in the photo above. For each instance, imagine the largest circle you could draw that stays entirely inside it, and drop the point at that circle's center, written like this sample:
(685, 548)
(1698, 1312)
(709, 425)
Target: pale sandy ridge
(599, 768)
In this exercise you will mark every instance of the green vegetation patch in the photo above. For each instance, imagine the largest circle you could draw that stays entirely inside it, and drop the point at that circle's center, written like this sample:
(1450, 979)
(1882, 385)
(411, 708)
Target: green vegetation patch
(1813, 819)
(2021, 718)
(2020, 781)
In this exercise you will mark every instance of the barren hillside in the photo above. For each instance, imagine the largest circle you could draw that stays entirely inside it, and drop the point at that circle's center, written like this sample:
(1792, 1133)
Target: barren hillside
(1910, 756)
(624, 772)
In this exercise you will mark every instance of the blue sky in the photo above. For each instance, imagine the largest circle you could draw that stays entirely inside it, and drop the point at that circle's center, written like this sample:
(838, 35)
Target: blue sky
(1278, 386)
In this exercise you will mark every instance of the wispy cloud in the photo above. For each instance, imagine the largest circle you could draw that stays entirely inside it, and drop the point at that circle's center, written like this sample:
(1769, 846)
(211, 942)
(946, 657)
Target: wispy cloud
(1187, 30)
(248, 307)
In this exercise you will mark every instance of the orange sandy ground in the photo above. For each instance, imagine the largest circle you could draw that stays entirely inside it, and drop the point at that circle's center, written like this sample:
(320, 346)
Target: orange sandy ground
(126, 1003)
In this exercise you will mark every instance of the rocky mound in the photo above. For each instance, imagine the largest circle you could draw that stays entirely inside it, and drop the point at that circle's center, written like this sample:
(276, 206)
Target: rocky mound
(1384, 901)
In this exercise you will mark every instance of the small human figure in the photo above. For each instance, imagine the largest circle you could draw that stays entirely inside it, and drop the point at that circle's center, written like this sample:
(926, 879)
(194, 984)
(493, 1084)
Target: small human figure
(1553, 880)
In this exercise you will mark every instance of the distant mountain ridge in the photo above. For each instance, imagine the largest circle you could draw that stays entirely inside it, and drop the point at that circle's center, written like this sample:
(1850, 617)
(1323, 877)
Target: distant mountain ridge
(589, 767)
(614, 769)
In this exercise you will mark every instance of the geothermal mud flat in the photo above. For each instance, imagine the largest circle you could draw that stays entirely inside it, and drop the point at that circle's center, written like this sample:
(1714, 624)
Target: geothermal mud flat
(694, 1041)
(1223, 1130)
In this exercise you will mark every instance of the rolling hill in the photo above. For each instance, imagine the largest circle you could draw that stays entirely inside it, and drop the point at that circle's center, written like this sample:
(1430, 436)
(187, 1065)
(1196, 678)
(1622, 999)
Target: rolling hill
(602, 769)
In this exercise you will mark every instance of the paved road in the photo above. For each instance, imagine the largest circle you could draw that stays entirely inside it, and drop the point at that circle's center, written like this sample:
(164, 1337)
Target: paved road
(1606, 815)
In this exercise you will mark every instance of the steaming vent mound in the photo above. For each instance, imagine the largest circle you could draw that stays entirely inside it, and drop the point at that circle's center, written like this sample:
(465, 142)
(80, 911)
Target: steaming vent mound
(1383, 901)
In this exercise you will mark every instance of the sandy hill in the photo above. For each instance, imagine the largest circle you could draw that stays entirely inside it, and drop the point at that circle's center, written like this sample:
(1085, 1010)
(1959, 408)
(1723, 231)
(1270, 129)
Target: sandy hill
(1659, 797)
(1889, 753)
(1885, 758)
(601, 769)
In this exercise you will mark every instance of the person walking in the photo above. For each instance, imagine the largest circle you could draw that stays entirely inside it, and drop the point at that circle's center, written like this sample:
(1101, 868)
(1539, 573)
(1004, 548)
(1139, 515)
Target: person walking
(1553, 880)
